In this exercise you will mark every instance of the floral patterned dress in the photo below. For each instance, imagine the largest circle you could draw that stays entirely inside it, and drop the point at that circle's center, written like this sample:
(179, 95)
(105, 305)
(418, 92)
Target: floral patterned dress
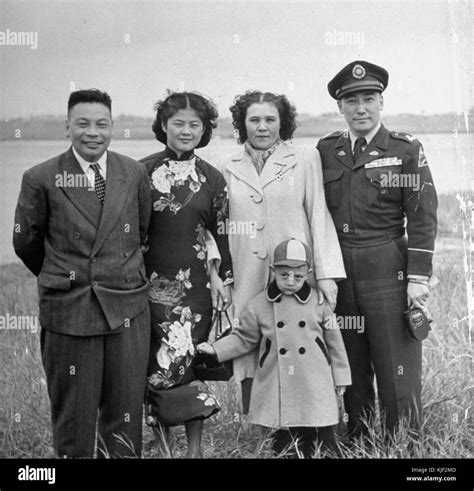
(189, 196)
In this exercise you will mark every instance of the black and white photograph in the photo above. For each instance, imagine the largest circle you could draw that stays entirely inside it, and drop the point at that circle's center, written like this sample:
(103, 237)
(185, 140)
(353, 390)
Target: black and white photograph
(236, 233)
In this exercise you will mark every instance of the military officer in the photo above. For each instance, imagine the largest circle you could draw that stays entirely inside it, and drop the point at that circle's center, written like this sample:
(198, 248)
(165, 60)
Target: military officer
(381, 196)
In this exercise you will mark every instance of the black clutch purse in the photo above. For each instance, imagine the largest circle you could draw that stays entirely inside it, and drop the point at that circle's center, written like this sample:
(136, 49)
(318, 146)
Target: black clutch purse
(206, 367)
(178, 404)
(417, 323)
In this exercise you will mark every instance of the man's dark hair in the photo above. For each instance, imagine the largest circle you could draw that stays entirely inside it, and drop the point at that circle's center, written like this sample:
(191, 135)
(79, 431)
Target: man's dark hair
(89, 95)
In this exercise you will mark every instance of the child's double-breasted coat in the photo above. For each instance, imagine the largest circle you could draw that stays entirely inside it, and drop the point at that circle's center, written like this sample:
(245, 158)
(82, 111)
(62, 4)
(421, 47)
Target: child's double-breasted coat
(301, 358)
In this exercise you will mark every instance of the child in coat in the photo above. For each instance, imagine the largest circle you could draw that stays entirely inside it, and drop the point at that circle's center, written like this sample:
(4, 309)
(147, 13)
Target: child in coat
(302, 359)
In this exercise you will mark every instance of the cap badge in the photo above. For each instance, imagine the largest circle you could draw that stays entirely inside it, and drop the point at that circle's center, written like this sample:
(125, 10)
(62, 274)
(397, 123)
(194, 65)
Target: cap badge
(358, 72)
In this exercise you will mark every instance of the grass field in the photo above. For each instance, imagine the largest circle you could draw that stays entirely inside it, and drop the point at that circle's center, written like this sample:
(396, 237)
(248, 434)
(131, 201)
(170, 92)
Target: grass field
(25, 427)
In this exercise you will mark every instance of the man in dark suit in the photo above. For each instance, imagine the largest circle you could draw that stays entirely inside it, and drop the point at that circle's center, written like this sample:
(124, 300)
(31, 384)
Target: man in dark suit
(80, 224)
(381, 196)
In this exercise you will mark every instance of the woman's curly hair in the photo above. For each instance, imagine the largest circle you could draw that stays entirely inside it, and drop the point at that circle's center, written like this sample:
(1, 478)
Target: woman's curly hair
(204, 107)
(286, 111)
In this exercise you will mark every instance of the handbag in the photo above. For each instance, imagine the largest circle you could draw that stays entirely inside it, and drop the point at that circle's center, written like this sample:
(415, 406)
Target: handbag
(418, 323)
(179, 404)
(206, 367)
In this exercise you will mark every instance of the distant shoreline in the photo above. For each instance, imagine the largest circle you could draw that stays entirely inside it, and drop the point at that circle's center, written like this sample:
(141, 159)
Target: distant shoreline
(126, 127)
(223, 137)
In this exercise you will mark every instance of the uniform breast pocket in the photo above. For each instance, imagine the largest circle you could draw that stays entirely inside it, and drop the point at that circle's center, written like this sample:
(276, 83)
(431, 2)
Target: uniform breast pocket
(383, 184)
(333, 187)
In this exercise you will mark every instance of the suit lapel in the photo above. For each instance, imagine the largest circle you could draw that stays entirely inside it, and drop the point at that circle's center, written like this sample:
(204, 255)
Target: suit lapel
(279, 162)
(83, 197)
(117, 188)
(375, 149)
(342, 150)
(243, 168)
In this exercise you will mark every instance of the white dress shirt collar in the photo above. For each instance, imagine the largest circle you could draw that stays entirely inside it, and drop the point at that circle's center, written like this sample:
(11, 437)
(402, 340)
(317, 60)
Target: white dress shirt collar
(85, 166)
(367, 137)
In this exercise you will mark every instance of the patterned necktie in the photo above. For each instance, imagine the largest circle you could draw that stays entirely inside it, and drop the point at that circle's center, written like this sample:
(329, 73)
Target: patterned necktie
(359, 143)
(99, 182)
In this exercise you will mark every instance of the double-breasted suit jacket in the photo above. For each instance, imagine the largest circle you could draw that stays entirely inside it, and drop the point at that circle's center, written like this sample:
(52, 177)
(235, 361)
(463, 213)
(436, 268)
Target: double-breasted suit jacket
(301, 357)
(88, 258)
(93, 295)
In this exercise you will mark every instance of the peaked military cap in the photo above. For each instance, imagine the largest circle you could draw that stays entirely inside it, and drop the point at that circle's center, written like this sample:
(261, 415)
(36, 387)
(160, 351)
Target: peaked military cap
(356, 76)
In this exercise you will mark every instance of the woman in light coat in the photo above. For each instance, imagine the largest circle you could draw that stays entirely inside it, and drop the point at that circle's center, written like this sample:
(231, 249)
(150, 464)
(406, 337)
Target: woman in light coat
(275, 193)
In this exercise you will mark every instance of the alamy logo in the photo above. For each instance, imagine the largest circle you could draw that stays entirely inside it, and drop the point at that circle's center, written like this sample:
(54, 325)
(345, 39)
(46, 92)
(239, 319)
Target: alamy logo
(67, 180)
(16, 38)
(346, 322)
(21, 322)
(37, 474)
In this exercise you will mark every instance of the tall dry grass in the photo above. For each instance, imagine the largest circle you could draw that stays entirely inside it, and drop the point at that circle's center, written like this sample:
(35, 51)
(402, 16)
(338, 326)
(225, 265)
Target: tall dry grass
(25, 429)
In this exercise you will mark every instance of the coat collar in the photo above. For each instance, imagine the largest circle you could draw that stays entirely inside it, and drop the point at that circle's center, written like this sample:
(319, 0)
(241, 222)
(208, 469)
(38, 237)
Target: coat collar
(279, 162)
(84, 198)
(374, 150)
(274, 293)
(117, 186)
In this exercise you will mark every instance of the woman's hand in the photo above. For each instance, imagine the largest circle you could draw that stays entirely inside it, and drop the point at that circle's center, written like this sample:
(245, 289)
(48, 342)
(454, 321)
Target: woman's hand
(340, 389)
(221, 295)
(206, 348)
(327, 289)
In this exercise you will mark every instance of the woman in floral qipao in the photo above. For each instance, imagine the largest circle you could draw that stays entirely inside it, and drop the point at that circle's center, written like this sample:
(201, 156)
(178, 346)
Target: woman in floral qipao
(189, 196)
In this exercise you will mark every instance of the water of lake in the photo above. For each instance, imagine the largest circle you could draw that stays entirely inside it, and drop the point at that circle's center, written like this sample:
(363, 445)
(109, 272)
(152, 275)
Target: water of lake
(450, 159)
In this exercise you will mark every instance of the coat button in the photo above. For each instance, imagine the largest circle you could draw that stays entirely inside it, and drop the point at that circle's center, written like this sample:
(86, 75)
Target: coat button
(280, 324)
(282, 351)
(302, 351)
(77, 235)
(127, 279)
(93, 259)
(260, 226)
(302, 323)
(262, 254)
(257, 198)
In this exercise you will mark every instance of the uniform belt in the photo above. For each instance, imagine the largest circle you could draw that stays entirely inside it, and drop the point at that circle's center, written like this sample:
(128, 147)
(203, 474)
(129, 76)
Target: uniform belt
(369, 239)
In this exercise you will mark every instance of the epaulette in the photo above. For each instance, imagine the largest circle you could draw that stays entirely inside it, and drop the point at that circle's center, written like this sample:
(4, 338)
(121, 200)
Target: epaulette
(334, 134)
(403, 136)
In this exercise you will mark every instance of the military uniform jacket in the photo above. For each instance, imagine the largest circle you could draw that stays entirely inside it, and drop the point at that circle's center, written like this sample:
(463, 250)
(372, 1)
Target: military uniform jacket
(301, 358)
(370, 199)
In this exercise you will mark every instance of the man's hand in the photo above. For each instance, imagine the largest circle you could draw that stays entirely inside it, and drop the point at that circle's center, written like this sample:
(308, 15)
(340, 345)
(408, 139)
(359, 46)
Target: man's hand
(417, 295)
(221, 295)
(327, 289)
(206, 348)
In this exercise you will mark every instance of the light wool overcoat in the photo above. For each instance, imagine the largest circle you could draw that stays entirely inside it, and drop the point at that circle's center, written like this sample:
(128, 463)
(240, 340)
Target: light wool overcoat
(301, 357)
(286, 200)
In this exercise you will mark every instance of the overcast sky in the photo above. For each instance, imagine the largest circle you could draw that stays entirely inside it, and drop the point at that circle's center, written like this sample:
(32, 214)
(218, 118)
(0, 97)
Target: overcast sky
(136, 49)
